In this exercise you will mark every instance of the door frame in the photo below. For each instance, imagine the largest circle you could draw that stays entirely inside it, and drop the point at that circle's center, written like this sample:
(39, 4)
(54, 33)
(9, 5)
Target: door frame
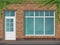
(14, 24)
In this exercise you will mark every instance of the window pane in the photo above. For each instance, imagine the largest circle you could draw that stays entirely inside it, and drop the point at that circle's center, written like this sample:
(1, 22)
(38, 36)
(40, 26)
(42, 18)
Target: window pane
(46, 13)
(37, 13)
(11, 29)
(31, 13)
(26, 13)
(11, 20)
(7, 24)
(41, 13)
(7, 28)
(11, 24)
(12, 13)
(39, 26)
(6, 13)
(49, 26)
(51, 13)
(29, 29)
(7, 20)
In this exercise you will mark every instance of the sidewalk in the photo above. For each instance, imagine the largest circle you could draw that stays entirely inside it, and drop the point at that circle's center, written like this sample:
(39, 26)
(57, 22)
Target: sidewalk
(30, 42)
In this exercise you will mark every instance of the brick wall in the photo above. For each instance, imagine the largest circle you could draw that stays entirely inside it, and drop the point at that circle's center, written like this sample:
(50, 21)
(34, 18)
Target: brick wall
(19, 8)
(2, 27)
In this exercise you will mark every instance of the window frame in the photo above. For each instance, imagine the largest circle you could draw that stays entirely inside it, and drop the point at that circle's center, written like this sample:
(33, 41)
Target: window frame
(44, 24)
(9, 17)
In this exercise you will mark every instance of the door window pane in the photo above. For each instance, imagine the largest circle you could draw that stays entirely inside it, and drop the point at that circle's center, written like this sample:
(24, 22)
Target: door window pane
(9, 25)
(7, 20)
(11, 28)
(7, 28)
(11, 20)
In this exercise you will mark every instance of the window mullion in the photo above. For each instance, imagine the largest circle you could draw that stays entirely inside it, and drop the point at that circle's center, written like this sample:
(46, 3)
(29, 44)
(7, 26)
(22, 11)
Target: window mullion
(44, 23)
(26, 24)
(9, 22)
(9, 25)
(54, 22)
(34, 23)
(9, 13)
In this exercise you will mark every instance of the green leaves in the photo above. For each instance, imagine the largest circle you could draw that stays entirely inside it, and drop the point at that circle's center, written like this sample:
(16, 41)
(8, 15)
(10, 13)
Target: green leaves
(52, 2)
(4, 3)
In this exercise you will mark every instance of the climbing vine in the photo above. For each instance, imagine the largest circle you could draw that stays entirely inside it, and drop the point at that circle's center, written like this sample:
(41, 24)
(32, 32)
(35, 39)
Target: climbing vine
(4, 3)
(51, 3)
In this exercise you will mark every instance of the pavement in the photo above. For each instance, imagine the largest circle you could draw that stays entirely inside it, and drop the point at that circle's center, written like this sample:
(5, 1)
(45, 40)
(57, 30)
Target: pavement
(30, 43)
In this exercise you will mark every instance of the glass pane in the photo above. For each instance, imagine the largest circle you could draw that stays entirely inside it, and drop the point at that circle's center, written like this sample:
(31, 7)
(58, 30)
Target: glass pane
(26, 13)
(29, 29)
(12, 13)
(11, 28)
(46, 13)
(6, 13)
(37, 13)
(7, 28)
(11, 20)
(49, 26)
(11, 24)
(51, 13)
(7, 20)
(39, 26)
(41, 13)
(31, 13)
(7, 24)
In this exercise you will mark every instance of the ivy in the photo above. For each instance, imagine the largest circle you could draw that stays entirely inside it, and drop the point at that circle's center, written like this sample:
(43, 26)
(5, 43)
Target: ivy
(51, 3)
(4, 3)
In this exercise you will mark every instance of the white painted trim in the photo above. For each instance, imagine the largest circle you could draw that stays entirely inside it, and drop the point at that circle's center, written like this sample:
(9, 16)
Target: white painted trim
(15, 25)
(44, 24)
(26, 26)
(39, 16)
(39, 35)
(34, 22)
(14, 18)
(54, 23)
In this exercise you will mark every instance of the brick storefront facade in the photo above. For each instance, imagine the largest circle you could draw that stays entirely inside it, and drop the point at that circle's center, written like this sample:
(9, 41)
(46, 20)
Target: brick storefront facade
(19, 8)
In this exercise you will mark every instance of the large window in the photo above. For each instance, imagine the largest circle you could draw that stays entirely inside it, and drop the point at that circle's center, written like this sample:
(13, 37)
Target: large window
(39, 23)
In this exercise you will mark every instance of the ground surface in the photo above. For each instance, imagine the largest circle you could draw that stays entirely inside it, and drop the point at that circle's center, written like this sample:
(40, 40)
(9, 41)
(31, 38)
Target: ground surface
(30, 43)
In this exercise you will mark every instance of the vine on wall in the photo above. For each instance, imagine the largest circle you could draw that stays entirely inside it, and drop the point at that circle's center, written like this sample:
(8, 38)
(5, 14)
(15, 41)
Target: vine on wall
(4, 3)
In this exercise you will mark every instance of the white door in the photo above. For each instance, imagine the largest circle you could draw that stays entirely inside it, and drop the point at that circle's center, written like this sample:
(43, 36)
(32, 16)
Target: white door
(10, 32)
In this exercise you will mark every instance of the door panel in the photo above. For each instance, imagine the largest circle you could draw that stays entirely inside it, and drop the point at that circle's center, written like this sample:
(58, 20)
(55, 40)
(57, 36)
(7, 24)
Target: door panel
(10, 33)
